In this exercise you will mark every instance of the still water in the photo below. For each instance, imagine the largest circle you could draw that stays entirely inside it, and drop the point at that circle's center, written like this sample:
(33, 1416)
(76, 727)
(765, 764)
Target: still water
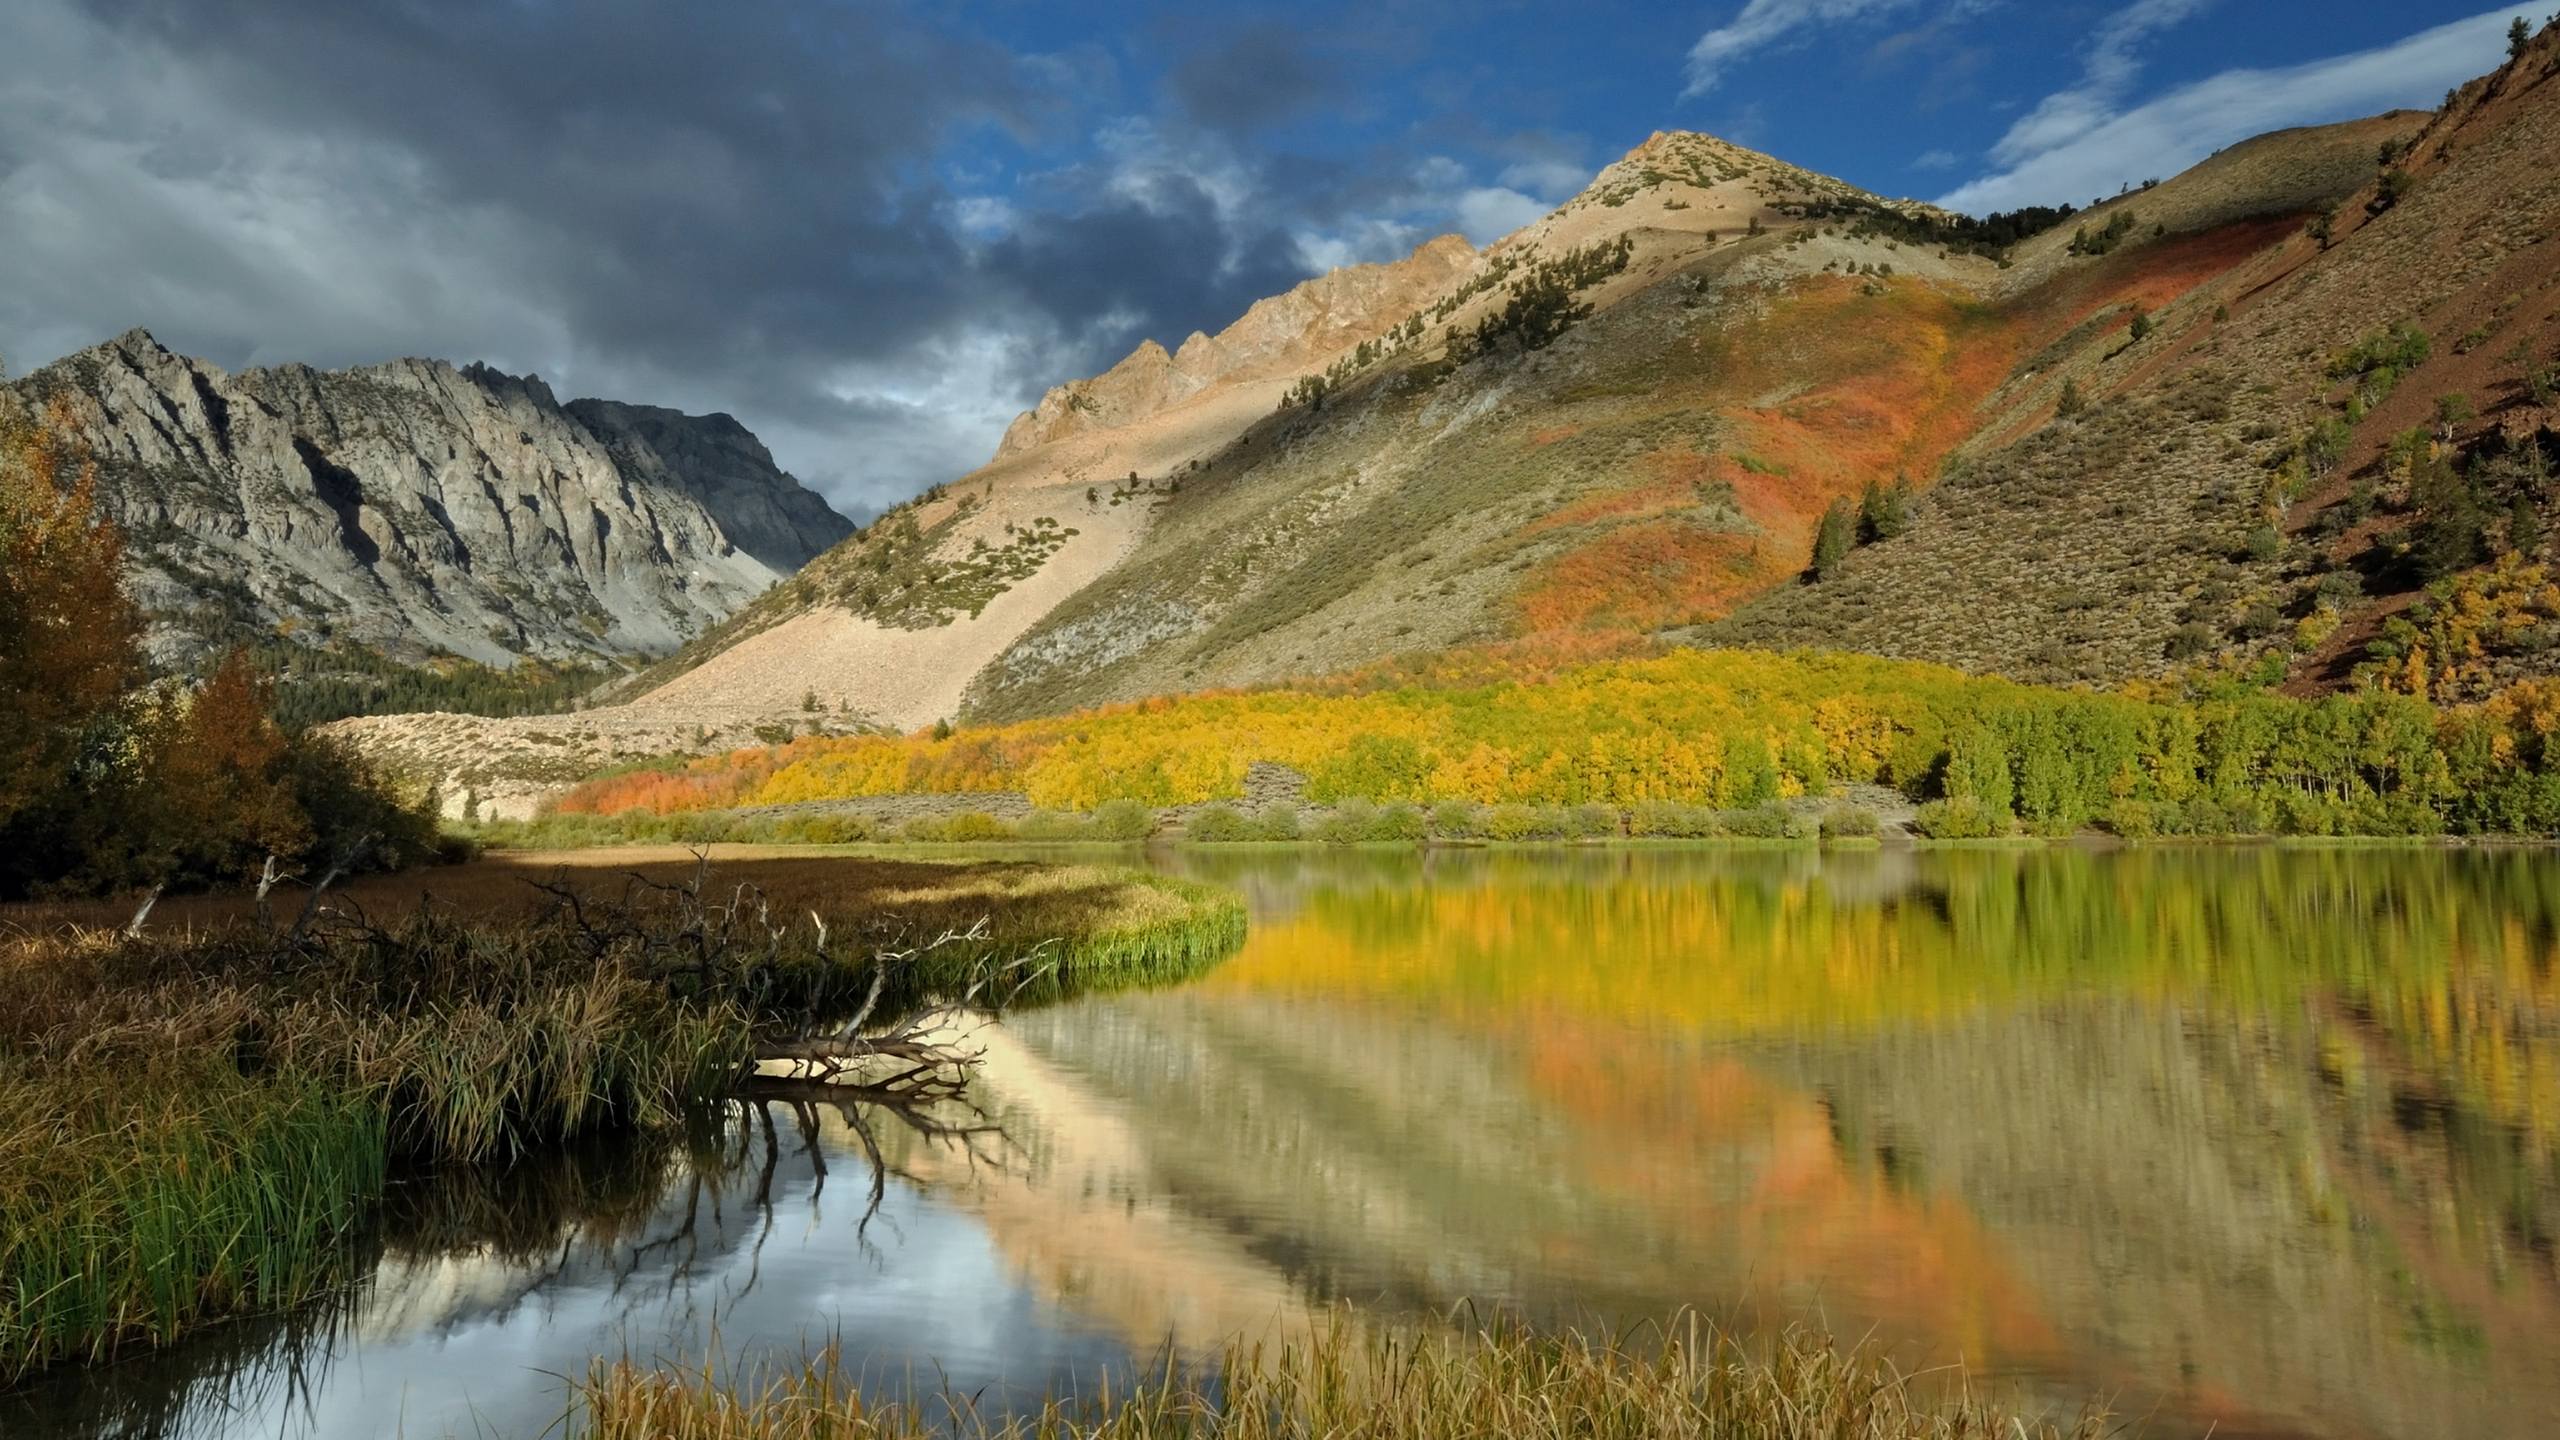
(2255, 1142)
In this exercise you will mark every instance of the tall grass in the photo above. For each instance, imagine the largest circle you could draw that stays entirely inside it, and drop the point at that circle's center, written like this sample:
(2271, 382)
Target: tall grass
(1692, 1380)
(132, 1206)
(199, 1124)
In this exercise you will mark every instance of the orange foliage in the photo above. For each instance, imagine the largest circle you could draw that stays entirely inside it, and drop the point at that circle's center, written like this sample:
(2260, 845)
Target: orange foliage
(1642, 577)
(70, 642)
(1874, 386)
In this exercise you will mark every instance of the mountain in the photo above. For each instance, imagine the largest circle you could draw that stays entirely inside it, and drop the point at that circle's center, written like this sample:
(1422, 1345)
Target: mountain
(1622, 420)
(2287, 413)
(2326, 454)
(417, 509)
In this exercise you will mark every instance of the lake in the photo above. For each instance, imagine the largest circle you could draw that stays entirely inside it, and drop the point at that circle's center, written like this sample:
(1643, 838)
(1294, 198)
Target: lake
(2258, 1141)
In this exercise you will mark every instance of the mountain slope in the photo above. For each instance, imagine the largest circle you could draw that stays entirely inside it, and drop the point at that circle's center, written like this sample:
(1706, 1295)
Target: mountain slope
(418, 509)
(1624, 419)
(1220, 463)
(2255, 480)
(1624, 425)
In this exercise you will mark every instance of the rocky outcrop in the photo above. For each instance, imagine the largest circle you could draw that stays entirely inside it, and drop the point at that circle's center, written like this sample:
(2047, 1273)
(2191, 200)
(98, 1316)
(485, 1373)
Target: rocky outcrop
(420, 509)
(1298, 329)
(723, 465)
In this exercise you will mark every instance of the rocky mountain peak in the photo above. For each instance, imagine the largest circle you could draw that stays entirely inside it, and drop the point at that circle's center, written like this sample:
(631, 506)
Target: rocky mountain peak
(1298, 329)
(421, 508)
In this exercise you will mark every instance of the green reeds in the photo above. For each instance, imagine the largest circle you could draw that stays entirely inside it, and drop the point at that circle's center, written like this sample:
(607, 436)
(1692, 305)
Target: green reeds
(1688, 1380)
(194, 1125)
(135, 1204)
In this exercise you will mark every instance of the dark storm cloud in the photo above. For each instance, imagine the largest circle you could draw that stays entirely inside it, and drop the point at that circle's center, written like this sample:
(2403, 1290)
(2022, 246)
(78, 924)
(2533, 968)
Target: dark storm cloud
(1259, 76)
(748, 207)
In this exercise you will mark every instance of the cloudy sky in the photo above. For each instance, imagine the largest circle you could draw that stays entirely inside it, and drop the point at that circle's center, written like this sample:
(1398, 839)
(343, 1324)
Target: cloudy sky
(873, 232)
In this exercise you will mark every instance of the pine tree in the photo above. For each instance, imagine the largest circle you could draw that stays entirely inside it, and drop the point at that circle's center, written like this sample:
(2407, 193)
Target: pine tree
(2072, 401)
(1884, 511)
(1833, 538)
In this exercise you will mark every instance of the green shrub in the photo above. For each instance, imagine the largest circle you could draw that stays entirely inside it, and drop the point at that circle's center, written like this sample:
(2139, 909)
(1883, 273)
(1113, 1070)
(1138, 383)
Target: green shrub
(1522, 822)
(1280, 822)
(1123, 820)
(976, 825)
(1593, 822)
(1457, 820)
(925, 830)
(825, 830)
(1669, 820)
(1218, 825)
(1962, 818)
(1762, 822)
(1850, 822)
(1347, 823)
(1054, 825)
(1401, 822)
(2134, 819)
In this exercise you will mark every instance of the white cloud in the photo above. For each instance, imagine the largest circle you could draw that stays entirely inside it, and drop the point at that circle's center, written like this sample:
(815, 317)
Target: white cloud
(1442, 195)
(1936, 160)
(1488, 213)
(2108, 148)
(1556, 179)
(2113, 64)
(1763, 23)
(984, 217)
(1363, 240)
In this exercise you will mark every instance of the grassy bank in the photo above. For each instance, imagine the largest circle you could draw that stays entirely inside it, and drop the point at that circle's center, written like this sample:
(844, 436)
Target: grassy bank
(1690, 1381)
(201, 1118)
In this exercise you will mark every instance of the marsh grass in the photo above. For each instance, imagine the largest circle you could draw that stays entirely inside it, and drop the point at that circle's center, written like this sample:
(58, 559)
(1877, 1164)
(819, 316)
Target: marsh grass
(201, 1127)
(200, 1122)
(1688, 1379)
(132, 1206)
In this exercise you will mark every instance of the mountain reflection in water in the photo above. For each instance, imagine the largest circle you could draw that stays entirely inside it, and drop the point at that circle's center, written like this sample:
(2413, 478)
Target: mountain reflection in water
(2260, 1140)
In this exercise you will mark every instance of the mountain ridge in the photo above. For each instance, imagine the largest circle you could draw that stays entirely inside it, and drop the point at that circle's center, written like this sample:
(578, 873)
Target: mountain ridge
(1633, 422)
(419, 508)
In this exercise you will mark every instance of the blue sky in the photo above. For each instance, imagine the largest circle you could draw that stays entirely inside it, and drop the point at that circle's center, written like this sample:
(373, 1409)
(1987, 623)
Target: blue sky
(874, 231)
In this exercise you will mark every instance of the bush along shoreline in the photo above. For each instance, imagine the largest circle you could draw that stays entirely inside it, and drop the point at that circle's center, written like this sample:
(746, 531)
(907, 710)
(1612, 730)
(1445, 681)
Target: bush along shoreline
(1729, 731)
(203, 1123)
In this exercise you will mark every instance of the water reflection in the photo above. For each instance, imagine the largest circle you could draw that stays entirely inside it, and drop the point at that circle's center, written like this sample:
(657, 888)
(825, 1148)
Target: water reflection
(2264, 1141)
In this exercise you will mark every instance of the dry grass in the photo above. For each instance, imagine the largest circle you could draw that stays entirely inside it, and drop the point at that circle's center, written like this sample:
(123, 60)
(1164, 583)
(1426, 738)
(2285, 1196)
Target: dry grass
(1691, 1380)
(200, 1120)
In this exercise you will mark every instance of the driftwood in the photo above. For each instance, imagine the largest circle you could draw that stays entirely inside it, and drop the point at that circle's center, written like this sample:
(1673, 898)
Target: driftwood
(729, 943)
(924, 1054)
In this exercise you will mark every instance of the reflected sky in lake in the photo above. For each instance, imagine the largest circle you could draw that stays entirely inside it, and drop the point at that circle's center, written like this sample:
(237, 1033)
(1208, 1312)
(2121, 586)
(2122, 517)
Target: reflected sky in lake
(2261, 1141)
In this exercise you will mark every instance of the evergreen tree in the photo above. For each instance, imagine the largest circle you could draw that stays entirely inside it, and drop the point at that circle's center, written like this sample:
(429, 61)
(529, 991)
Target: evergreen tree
(1833, 538)
(1884, 511)
(2524, 529)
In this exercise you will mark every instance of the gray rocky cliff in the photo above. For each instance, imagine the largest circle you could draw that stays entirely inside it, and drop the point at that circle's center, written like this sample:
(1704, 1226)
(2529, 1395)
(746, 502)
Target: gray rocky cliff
(418, 508)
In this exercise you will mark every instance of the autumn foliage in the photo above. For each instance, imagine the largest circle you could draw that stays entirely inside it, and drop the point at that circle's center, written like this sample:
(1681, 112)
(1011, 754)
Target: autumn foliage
(1722, 728)
(111, 780)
